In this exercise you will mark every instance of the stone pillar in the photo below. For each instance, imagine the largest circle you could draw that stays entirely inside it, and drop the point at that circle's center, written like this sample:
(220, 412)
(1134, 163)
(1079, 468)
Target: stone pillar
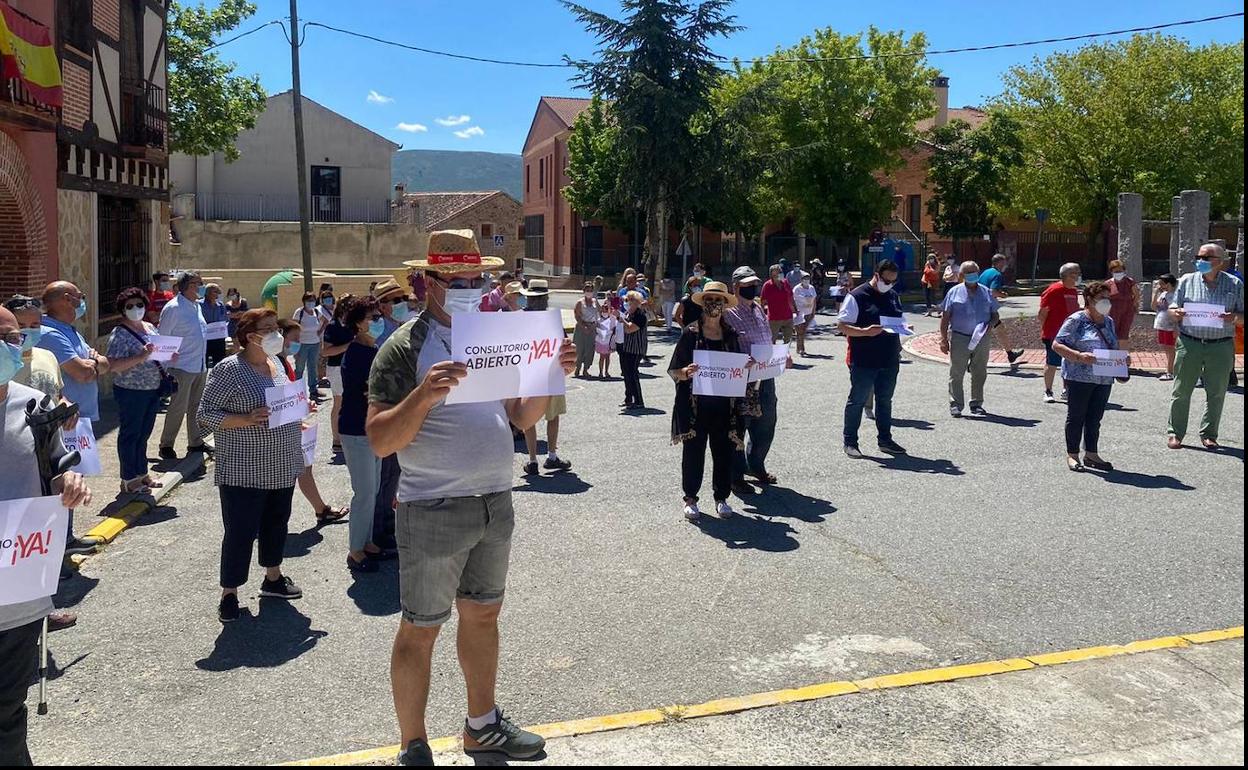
(1193, 227)
(801, 250)
(1131, 239)
(1174, 236)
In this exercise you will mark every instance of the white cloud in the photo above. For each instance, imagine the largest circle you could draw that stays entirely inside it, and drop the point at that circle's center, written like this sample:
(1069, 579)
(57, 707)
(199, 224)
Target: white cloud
(468, 133)
(376, 98)
(454, 120)
(412, 128)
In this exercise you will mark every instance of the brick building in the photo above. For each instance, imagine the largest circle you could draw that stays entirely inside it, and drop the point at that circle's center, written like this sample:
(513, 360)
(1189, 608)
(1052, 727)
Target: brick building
(28, 123)
(493, 215)
(112, 211)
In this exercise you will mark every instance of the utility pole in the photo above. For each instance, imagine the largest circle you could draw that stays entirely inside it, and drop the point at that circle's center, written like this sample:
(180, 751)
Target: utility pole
(301, 160)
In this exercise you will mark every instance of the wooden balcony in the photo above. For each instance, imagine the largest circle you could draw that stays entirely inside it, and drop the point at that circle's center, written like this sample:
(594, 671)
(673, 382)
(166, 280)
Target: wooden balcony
(143, 119)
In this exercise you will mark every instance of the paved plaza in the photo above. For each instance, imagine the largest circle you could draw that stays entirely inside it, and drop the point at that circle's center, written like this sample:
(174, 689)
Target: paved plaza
(978, 546)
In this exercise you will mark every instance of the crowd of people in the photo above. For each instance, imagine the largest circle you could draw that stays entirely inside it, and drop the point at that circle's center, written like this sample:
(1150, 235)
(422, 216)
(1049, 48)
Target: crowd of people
(448, 519)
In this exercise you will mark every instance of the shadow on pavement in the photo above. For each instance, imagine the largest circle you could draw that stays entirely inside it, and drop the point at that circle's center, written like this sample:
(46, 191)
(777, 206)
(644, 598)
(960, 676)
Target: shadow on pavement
(502, 760)
(1141, 480)
(919, 465)
(777, 501)
(558, 483)
(1009, 422)
(55, 670)
(377, 594)
(157, 515)
(1112, 407)
(643, 412)
(916, 424)
(277, 635)
(72, 590)
(1018, 374)
(752, 532)
(301, 543)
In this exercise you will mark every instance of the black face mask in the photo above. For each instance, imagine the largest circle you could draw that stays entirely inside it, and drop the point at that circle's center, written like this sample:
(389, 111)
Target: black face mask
(749, 292)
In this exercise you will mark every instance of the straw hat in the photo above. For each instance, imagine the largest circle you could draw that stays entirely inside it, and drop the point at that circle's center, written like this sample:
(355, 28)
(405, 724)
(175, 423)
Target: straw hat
(715, 289)
(389, 291)
(537, 288)
(515, 287)
(454, 251)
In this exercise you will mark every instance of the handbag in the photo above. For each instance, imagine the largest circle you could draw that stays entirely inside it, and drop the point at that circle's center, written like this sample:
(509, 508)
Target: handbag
(168, 384)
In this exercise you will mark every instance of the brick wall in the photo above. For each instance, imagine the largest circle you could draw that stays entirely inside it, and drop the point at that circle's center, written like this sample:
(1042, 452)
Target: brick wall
(108, 17)
(911, 179)
(23, 226)
(77, 93)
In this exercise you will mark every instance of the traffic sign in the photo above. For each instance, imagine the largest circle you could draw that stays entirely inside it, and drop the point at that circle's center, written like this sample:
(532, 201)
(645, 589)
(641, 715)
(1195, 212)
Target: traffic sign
(683, 249)
(499, 241)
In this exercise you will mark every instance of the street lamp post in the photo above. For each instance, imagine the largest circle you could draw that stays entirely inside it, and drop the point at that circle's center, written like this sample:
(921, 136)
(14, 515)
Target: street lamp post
(584, 249)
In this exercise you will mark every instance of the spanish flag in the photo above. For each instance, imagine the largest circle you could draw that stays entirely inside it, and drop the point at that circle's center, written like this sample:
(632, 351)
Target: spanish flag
(26, 52)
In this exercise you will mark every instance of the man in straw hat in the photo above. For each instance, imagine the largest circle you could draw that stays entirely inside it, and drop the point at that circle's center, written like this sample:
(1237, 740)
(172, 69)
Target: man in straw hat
(392, 302)
(455, 514)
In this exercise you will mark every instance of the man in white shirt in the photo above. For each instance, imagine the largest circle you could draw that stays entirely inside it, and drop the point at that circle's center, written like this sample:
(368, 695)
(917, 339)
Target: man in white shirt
(182, 317)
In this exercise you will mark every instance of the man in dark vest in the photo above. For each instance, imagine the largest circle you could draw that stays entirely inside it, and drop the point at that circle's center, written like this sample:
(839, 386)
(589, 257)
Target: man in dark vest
(874, 355)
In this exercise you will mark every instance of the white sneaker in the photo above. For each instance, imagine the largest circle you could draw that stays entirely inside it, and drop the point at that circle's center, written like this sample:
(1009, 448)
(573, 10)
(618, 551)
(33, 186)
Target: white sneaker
(1048, 397)
(1065, 394)
(691, 512)
(723, 510)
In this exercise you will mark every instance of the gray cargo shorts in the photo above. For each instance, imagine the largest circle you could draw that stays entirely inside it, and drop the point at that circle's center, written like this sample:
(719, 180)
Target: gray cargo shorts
(452, 547)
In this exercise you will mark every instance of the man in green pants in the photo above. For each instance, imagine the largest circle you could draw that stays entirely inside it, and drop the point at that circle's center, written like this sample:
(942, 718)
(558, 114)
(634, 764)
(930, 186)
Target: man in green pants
(1205, 348)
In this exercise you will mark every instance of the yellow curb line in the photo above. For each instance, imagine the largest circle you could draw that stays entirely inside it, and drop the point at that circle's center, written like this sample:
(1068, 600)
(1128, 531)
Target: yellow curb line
(814, 692)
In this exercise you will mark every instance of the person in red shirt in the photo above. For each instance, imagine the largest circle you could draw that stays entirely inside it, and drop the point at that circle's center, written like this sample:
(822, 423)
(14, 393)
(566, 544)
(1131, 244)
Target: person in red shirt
(161, 292)
(1057, 303)
(777, 300)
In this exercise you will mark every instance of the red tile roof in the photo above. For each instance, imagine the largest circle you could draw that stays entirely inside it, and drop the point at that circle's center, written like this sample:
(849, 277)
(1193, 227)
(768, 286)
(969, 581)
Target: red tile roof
(438, 207)
(568, 108)
(971, 115)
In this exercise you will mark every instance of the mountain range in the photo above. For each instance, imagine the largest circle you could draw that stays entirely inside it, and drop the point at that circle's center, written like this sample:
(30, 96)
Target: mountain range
(454, 171)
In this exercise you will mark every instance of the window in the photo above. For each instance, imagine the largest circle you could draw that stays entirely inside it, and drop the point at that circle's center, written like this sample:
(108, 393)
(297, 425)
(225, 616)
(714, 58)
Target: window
(541, 174)
(125, 230)
(914, 213)
(487, 231)
(527, 177)
(74, 22)
(535, 237)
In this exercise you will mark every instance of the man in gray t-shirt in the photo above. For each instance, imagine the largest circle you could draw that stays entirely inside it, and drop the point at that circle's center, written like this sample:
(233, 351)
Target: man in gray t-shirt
(454, 522)
(19, 623)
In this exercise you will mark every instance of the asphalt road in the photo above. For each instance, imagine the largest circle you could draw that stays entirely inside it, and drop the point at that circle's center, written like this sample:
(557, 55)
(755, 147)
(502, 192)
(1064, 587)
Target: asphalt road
(979, 545)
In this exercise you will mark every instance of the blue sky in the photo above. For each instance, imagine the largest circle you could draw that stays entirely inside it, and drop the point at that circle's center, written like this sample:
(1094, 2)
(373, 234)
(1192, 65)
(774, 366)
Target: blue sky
(473, 106)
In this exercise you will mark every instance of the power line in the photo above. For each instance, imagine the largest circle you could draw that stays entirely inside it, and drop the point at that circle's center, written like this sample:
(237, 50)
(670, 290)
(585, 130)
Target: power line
(795, 60)
(244, 34)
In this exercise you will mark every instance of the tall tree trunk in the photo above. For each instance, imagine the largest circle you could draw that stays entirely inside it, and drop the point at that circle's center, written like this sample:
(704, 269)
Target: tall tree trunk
(660, 269)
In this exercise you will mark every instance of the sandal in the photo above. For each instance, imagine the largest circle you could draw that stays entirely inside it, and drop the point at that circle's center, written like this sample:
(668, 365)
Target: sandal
(152, 483)
(329, 515)
(134, 486)
(1210, 443)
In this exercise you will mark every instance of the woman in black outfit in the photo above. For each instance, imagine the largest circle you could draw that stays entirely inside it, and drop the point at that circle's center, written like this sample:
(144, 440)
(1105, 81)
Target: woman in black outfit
(633, 350)
(697, 420)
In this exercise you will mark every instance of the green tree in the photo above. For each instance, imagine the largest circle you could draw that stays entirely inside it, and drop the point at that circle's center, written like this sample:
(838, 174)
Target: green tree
(970, 174)
(836, 123)
(1152, 115)
(656, 67)
(208, 104)
(594, 169)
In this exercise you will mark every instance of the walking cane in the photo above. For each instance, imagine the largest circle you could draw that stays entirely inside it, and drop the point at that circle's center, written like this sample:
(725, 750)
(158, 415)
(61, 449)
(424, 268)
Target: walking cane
(45, 420)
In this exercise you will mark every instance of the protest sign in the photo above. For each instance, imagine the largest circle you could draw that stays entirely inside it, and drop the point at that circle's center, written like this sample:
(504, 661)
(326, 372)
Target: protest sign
(309, 444)
(287, 403)
(1111, 363)
(770, 361)
(509, 355)
(82, 440)
(1198, 315)
(165, 347)
(895, 325)
(217, 330)
(32, 546)
(720, 374)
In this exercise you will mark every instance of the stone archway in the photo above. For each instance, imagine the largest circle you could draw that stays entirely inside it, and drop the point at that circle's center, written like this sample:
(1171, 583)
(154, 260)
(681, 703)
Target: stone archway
(23, 225)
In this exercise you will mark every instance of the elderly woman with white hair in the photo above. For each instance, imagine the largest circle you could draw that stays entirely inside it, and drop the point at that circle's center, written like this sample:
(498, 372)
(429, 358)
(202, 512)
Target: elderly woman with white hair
(1057, 303)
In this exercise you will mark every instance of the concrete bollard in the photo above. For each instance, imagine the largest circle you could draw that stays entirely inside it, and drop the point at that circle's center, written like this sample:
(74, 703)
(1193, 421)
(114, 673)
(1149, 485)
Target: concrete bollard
(1193, 227)
(1131, 241)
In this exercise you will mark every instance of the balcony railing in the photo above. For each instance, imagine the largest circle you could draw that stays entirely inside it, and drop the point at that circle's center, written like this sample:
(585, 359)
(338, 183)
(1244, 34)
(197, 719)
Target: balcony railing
(143, 114)
(285, 208)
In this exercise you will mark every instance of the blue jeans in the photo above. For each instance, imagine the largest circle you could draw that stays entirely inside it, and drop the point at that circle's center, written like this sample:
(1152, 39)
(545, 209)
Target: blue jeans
(760, 432)
(365, 470)
(136, 417)
(862, 382)
(307, 358)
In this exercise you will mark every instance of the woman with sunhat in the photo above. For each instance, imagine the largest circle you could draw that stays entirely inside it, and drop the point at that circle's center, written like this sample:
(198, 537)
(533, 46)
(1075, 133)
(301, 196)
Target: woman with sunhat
(699, 420)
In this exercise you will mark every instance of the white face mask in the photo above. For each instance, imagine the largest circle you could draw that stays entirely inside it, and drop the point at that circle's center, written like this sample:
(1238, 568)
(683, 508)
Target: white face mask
(883, 286)
(135, 313)
(273, 343)
(1119, 276)
(461, 301)
(1102, 306)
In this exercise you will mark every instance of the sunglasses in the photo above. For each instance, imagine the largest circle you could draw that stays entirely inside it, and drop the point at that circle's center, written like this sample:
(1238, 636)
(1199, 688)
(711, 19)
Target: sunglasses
(461, 283)
(133, 305)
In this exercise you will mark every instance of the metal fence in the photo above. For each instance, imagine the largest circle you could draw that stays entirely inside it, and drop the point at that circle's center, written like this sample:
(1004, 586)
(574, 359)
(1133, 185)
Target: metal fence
(285, 208)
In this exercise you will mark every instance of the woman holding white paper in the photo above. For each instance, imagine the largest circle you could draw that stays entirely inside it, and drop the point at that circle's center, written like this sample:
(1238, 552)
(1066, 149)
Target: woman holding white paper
(136, 388)
(699, 420)
(1085, 331)
(256, 466)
